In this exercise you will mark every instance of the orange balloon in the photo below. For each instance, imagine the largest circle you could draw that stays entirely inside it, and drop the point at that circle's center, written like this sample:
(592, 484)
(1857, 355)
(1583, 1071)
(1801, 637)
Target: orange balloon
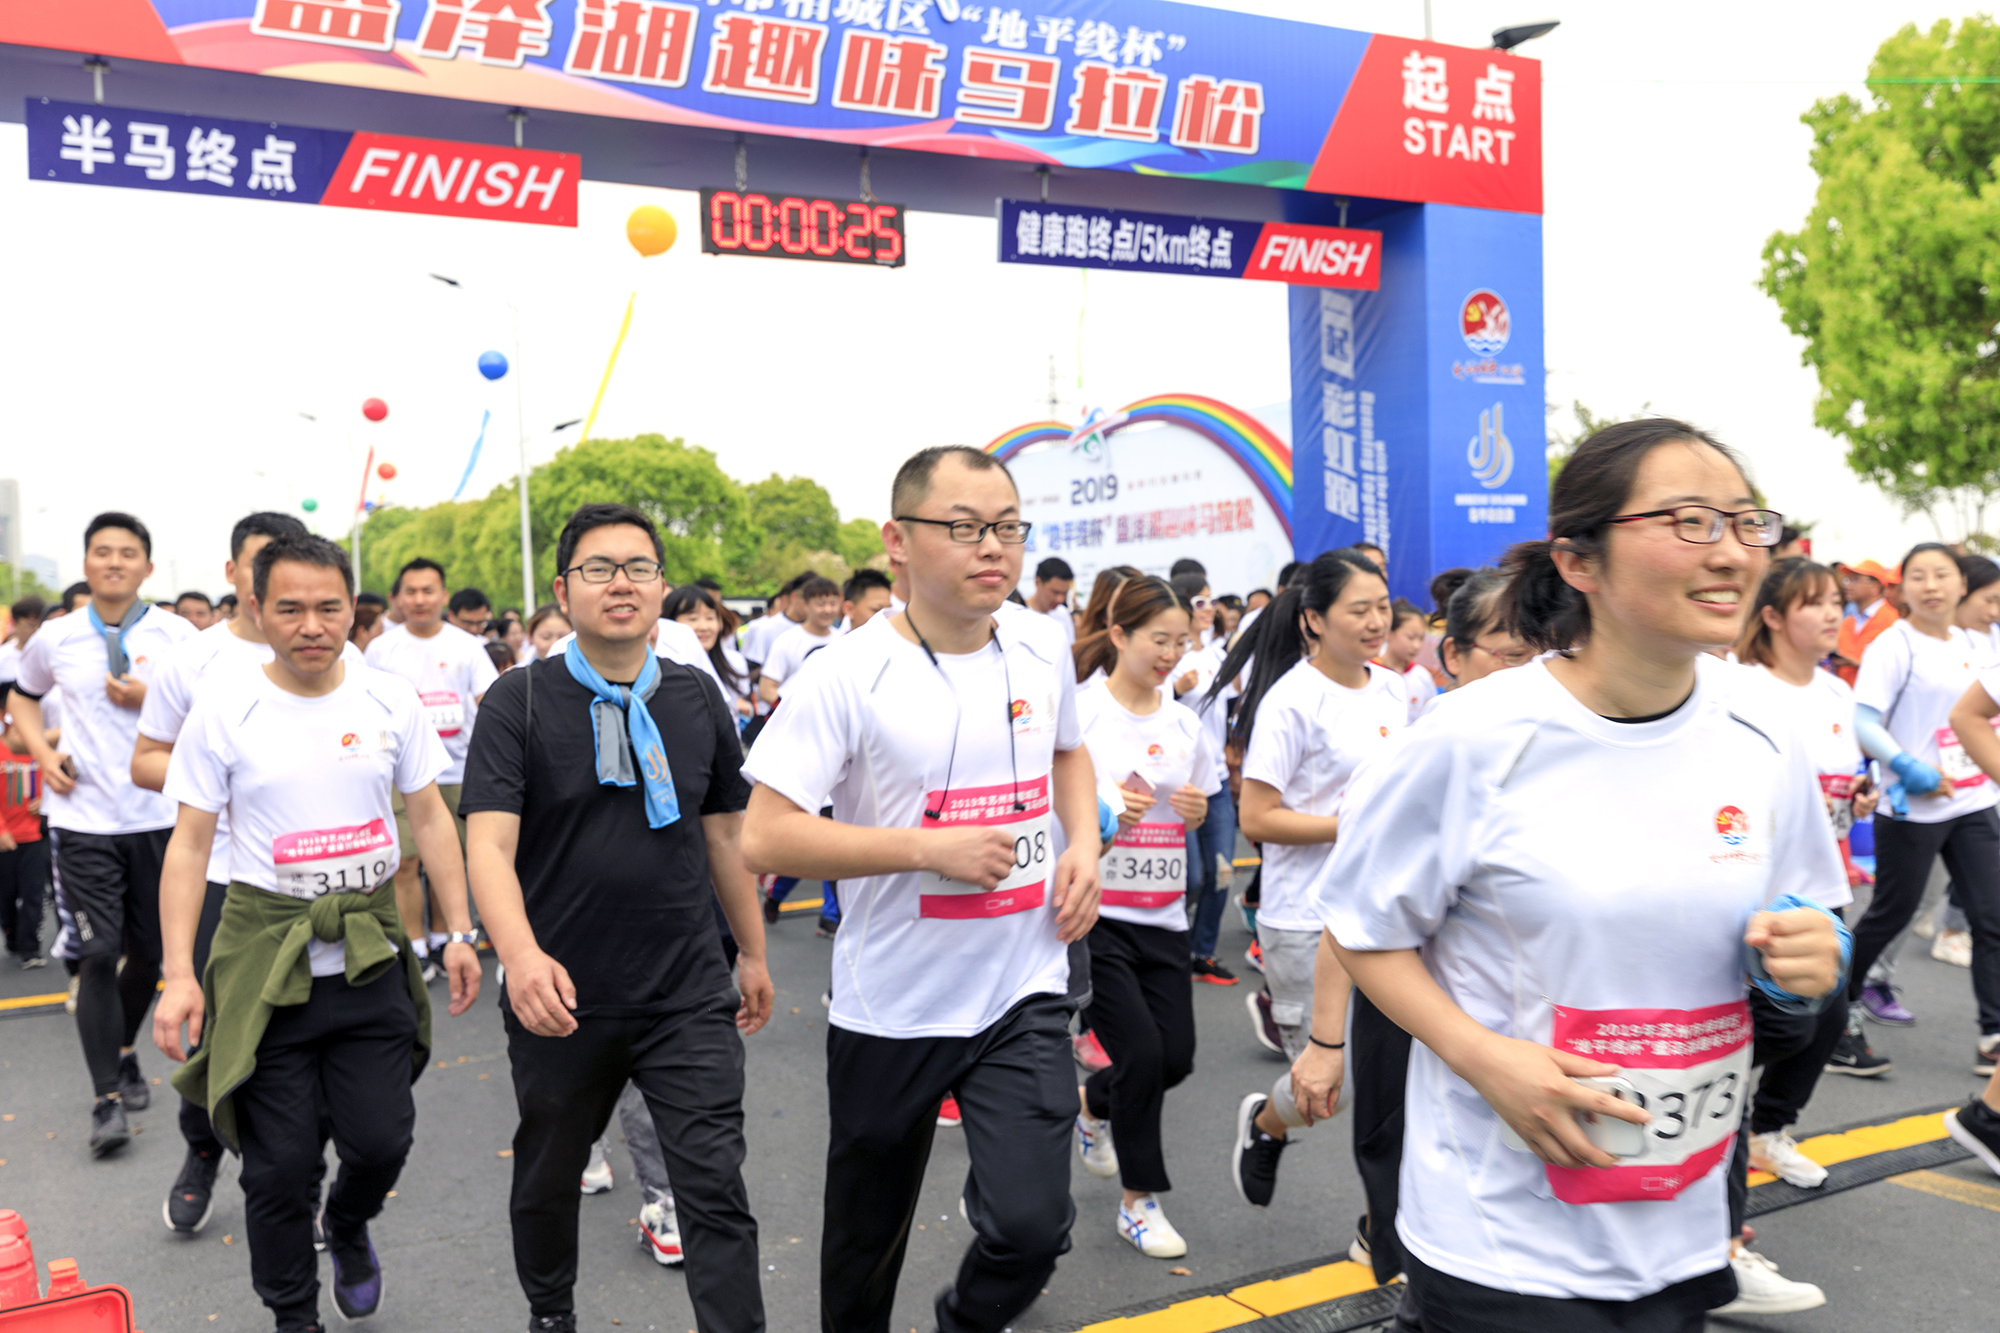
(651, 230)
(387, 471)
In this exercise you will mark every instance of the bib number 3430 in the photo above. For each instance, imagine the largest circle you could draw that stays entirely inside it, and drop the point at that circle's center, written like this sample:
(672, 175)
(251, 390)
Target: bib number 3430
(1026, 886)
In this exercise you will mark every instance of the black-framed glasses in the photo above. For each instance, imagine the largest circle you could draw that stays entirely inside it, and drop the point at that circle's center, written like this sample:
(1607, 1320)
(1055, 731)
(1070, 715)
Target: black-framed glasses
(964, 531)
(1703, 524)
(597, 570)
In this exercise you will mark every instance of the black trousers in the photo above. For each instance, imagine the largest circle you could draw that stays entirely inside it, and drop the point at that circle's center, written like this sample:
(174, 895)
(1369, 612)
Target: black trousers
(1454, 1305)
(1378, 1069)
(1018, 1099)
(195, 1128)
(1142, 1008)
(111, 885)
(346, 1052)
(24, 888)
(1904, 852)
(1791, 1050)
(689, 1067)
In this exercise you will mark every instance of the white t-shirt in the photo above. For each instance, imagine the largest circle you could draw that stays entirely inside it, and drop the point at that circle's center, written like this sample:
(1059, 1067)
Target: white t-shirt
(1063, 616)
(10, 664)
(1205, 662)
(1823, 710)
(1914, 680)
(869, 729)
(1144, 872)
(762, 633)
(98, 735)
(790, 650)
(306, 782)
(1310, 736)
(738, 664)
(1422, 688)
(172, 693)
(1570, 878)
(451, 671)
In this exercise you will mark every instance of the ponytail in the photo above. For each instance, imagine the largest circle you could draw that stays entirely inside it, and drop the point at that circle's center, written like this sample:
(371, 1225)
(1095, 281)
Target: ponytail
(1280, 639)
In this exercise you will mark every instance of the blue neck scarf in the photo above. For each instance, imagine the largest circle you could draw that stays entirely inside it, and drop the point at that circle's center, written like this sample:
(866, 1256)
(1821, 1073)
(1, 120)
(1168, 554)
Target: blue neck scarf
(115, 660)
(616, 711)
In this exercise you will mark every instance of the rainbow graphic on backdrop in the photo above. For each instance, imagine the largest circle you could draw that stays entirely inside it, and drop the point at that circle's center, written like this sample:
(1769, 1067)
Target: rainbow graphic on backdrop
(1247, 441)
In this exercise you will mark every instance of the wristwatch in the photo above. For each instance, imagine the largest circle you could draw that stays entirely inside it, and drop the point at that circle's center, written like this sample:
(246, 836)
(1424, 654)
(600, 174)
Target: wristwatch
(464, 937)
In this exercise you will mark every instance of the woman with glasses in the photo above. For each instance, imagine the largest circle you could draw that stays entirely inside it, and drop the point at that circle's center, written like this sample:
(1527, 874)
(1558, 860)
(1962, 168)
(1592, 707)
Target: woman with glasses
(1562, 885)
(1476, 644)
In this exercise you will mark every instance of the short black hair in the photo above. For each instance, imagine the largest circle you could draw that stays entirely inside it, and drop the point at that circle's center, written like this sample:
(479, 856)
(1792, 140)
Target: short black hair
(795, 582)
(1293, 569)
(371, 599)
(467, 599)
(1055, 567)
(73, 593)
(913, 479)
(201, 597)
(304, 549)
(263, 523)
(228, 599)
(29, 607)
(592, 516)
(818, 586)
(421, 562)
(111, 518)
(710, 582)
(1187, 565)
(863, 580)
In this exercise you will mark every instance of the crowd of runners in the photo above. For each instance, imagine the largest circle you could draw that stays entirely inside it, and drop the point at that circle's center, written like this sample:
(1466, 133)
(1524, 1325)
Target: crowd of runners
(1549, 882)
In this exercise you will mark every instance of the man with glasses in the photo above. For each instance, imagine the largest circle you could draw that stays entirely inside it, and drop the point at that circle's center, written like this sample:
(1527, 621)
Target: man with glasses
(604, 795)
(946, 738)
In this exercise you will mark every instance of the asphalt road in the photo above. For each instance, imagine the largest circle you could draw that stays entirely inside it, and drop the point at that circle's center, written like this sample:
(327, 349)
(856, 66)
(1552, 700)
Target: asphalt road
(1889, 1256)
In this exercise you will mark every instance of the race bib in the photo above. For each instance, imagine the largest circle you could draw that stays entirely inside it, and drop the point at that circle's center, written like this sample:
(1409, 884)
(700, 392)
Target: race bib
(1838, 788)
(445, 710)
(1146, 866)
(1026, 887)
(1690, 1067)
(354, 859)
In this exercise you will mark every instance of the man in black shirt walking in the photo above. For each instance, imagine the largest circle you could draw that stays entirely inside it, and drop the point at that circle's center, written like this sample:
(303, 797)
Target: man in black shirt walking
(603, 796)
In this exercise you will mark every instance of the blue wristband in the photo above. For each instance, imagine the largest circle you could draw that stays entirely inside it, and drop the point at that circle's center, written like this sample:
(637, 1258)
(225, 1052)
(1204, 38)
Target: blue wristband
(1753, 961)
(1107, 823)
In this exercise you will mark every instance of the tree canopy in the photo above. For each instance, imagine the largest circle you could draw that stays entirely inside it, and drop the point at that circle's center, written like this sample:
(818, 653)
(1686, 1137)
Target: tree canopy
(751, 538)
(1892, 280)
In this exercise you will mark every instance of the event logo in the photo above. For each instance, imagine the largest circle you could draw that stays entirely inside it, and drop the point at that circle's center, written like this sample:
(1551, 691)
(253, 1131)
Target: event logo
(1732, 825)
(1490, 454)
(350, 741)
(1020, 712)
(1088, 438)
(1154, 751)
(1483, 322)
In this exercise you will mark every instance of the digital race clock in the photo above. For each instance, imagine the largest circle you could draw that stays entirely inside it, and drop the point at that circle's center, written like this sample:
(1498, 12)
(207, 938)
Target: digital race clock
(839, 231)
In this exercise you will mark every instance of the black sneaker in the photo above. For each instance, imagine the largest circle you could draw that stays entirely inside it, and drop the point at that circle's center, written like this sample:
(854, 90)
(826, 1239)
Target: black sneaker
(771, 907)
(827, 928)
(1212, 972)
(1976, 1127)
(1852, 1056)
(1258, 1002)
(1985, 1054)
(551, 1323)
(132, 1089)
(1254, 1159)
(108, 1130)
(357, 1278)
(192, 1198)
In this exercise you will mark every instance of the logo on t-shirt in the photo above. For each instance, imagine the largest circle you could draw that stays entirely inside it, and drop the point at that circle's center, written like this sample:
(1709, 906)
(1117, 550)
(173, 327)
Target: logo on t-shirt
(1384, 731)
(1020, 712)
(350, 742)
(1732, 825)
(1154, 751)
(1836, 728)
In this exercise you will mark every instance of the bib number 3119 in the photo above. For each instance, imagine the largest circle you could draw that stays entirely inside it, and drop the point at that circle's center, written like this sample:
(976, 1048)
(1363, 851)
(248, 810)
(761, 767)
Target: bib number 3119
(1026, 885)
(351, 859)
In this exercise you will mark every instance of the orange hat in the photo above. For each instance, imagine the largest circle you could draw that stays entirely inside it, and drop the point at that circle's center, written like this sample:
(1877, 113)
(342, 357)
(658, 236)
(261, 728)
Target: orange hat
(1873, 570)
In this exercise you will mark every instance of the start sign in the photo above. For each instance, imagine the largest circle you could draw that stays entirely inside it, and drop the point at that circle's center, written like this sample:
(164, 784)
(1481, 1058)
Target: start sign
(790, 226)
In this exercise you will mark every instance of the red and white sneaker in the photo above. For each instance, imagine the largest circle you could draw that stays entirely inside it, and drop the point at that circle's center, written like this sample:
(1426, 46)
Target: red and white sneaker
(1089, 1052)
(660, 1232)
(948, 1117)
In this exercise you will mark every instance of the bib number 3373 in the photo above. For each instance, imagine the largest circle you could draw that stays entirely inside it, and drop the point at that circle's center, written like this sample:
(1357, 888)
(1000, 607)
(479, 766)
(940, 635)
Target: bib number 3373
(351, 859)
(1689, 1066)
(1026, 885)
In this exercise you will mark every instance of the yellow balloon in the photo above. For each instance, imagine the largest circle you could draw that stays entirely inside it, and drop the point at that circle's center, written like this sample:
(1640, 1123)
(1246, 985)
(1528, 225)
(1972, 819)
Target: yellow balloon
(651, 230)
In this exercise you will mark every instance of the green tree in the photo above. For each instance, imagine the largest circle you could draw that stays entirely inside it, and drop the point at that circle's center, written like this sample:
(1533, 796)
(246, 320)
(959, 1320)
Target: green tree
(16, 584)
(1894, 280)
(861, 543)
(793, 512)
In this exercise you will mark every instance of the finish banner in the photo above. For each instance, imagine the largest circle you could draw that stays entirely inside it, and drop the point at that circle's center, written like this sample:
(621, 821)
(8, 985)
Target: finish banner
(83, 144)
(1072, 236)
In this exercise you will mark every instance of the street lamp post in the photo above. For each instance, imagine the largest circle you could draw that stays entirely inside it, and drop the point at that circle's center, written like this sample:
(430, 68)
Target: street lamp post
(521, 431)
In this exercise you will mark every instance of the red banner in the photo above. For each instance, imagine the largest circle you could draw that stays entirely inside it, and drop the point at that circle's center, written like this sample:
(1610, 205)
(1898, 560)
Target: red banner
(461, 180)
(1304, 256)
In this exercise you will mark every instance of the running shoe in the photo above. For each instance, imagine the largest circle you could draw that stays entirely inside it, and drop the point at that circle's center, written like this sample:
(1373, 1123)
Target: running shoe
(1852, 1056)
(1258, 1002)
(1254, 955)
(319, 1228)
(431, 970)
(771, 905)
(1983, 1054)
(1089, 1052)
(597, 1175)
(826, 998)
(1358, 1251)
(132, 1089)
(1212, 972)
(1976, 1127)
(827, 928)
(1253, 1161)
(33, 961)
(1761, 1290)
(357, 1278)
(1879, 1002)
(1146, 1226)
(69, 1001)
(1093, 1144)
(948, 1117)
(1954, 947)
(660, 1233)
(552, 1323)
(192, 1198)
(1777, 1153)
(1249, 912)
(108, 1130)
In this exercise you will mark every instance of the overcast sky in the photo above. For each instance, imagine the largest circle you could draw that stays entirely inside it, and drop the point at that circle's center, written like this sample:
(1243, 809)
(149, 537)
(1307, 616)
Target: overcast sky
(159, 348)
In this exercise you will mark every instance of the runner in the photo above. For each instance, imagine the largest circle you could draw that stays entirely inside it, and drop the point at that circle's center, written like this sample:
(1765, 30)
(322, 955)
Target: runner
(24, 852)
(1100, 599)
(1940, 803)
(1869, 613)
(948, 743)
(1053, 581)
(110, 834)
(1408, 631)
(1154, 753)
(863, 597)
(1211, 848)
(28, 614)
(1483, 839)
(314, 1003)
(604, 795)
(1475, 643)
(697, 608)
(1313, 709)
(470, 611)
(451, 671)
(545, 627)
(779, 618)
(820, 597)
(195, 608)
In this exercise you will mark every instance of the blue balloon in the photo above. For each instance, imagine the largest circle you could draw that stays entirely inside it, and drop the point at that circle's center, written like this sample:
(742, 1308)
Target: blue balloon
(492, 365)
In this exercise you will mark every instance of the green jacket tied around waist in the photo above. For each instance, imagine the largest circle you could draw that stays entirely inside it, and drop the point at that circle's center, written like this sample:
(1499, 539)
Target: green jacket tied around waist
(259, 962)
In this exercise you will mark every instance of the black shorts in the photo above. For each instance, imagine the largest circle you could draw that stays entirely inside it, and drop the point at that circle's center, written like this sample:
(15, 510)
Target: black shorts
(1454, 1305)
(110, 885)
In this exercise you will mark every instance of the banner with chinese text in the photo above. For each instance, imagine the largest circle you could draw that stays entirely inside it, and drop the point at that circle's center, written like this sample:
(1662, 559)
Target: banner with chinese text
(1073, 236)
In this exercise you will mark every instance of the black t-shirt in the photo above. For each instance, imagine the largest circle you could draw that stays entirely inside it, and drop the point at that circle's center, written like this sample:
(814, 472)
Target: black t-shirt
(624, 907)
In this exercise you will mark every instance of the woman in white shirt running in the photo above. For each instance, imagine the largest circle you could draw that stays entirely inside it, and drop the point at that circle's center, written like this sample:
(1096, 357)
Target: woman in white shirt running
(1151, 754)
(1590, 856)
(1408, 631)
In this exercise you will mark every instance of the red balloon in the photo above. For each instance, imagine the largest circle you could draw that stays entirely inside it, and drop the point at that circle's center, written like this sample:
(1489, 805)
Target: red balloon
(386, 471)
(374, 409)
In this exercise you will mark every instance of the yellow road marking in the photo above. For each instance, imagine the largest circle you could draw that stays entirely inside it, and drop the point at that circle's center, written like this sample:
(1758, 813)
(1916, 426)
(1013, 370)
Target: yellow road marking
(1951, 1187)
(1827, 1149)
(1248, 1304)
(801, 904)
(33, 1001)
(1248, 861)
(1200, 1315)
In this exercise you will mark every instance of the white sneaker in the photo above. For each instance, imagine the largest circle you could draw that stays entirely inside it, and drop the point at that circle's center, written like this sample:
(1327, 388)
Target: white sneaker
(1954, 947)
(597, 1176)
(1777, 1153)
(1148, 1229)
(1760, 1290)
(660, 1232)
(1093, 1144)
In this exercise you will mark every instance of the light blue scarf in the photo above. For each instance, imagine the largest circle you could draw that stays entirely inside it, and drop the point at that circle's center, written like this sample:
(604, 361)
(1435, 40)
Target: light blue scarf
(616, 710)
(115, 660)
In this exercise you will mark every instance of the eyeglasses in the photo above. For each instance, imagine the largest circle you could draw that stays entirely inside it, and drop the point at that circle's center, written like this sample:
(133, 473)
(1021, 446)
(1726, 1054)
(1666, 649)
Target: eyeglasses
(1512, 658)
(1011, 531)
(603, 571)
(1703, 524)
